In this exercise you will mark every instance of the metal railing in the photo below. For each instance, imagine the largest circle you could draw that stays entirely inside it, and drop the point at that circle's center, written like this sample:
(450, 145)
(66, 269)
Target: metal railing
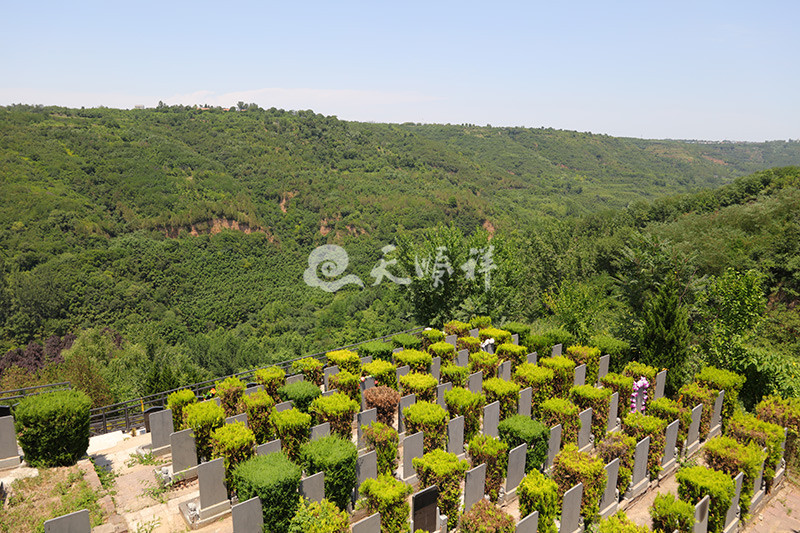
(131, 413)
(12, 396)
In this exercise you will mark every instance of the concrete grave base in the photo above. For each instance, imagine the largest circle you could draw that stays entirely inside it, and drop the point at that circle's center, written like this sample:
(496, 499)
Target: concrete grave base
(10, 462)
(184, 475)
(196, 518)
(144, 449)
(633, 493)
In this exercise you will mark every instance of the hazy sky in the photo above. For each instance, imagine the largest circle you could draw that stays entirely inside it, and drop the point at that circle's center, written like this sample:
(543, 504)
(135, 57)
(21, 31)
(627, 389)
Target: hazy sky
(689, 70)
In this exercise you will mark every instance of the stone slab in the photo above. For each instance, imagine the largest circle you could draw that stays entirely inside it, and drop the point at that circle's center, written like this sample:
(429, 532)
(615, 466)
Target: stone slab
(412, 447)
(451, 339)
(455, 435)
(701, 515)
(504, 371)
(284, 406)
(585, 440)
(312, 487)
(525, 402)
(213, 493)
(295, 378)
(366, 468)
(491, 419)
(532, 359)
(77, 522)
(241, 417)
(556, 351)
(580, 376)
(436, 366)
(640, 480)
(405, 401)
(254, 389)
(327, 373)
(475, 382)
(613, 413)
(571, 510)
(669, 462)
(529, 524)
(462, 358)
(424, 510)
(320, 430)
(553, 446)
(661, 382)
(474, 486)
(248, 517)
(365, 418)
(9, 451)
(516, 467)
(715, 427)
(370, 524)
(160, 430)
(184, 453)
(269, 447)
(733, 514)
(693, 435)
(609, 502)
(602, 368)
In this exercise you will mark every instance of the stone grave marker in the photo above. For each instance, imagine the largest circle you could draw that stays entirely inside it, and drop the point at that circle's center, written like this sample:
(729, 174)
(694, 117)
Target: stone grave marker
(330, 392)
(701, 515)
(504, 372)
(313, 487)
(370, 524)
(732, 516)
(452, 339)
(491, 419)
(320, 430)
(365, 418)
(525, 401)
(455, 435)
(241, 417)
(184, 454)
(602, 369)
(613, 411)
(475, 382)
(9, 453)
(580, 376)
(585, 432)
(532, 358)
(489, 348)
(609, 502)
(758, 488)
(669, 462)
(424, 511)
(474, 332)
(715, 428)
(213, 494)
(780, 467)
(462, 358)
(405, 401)
(398, 349)
(640, 480)
(366, 360)
(571, 510)
(327, 373)
(366, 384)
(529, 524)
(295, 378)
(412, 447)
(160, 430)
(661, 381)
(252, 390)
(693, 435)
(402, 371)
(366, 467)
(516, 467)
(269, 447)
(556, 351)
(474, 486)
(248, 517)
(283, 406)
(515, 338)
(77, 522)
(436, 365)
(440, 390)
(553, 446)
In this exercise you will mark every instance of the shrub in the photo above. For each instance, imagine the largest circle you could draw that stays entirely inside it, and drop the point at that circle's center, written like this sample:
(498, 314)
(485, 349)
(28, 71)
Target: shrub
(229, 392)
(406, 341)
(337, 458)
(693, 394)
(234, 443)
(444, 350)
(671, 514)
(635, 370)
(695, 482)
(747, 428)
(258, 407)
(429, 418)
(589, 356)
(563, 373)
(493, 452)
(717, 379)
(388, 496)
(300, 393)
(640, 426)
(457, 375)
(598, 400)
(338, 409)
(345, 360)
(274, 479)
(459, 329)
(560, 411)
(539, 379)
(446, 471)
(463, 402)
(385, 400)
(384, 372)
(480, 322)
(620, 523)
(729, 456)
(620, 445)
(485, 517)
(469, 343)
(512, 352)
(539, 493)
(430, 336)
(544, 342)
(203, 418)
(522, 330)
(785, 413)
(572, 467)
(670, 410)
(485, 362)
(520, 429)
(176, 401)
(310, 368)
(292, 427)
(53, 428)
(348, 383)
(417, 360)
(378, 350)
(272, 378)
(618, 350)
(505, 392)
(385, 441)
(622, 385)
(423, 385)
(319, 517)
(500, 336)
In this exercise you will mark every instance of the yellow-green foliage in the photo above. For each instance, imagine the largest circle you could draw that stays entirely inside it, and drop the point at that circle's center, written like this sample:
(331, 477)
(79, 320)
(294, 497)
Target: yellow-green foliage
(272, 378)
(500, 336)
(347, 383)
(539, 493)
(457, 328)
(463, 402)
(234, 443)
(444, 350)
(572, 467)
(471, 344)
(292, 427)
(203, 418)
(560, 411)
(384, 372)
(389, 497)
(176, 401)
(416, 359)
(258, 407)
(505, 392)
(338, 409)
(229, 392)
(345, 360)
(446, 471)
(423, 385)
(598, 400)
(485, 362)
(539, 379)
(494, 453)
(563, 373)
(310, 368)
(512, 352)
(429, 418)
(589, 356)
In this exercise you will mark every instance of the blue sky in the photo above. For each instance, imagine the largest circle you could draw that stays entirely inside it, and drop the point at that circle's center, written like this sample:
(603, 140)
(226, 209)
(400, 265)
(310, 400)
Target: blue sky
(688, 70)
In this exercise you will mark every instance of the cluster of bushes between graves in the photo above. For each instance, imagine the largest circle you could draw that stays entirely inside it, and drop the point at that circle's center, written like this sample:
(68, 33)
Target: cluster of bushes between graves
(385, 441)
(274, 479)
(272, 378)
(321, 516)
(463, 402)
(429, 418)
(388, 496)
(563, 374)
(539, 493)
(300, 393)
(234, 443)
(347, 383)
(419, 384)
(494, 453)
(311, 369)
(505, 392)
(727, 455)
(485, 516)
(446, 471)
(385, 400)
(417, 360)
(258, 407)
(292, 427)
(695, 482)
(378, 350)
(337, 458)
(457, 375)
(203, 418)
(384, 372)
(571, 467)
(519, 429)
(671, 514)
(176, 402)
(229, 392)
(338, 409)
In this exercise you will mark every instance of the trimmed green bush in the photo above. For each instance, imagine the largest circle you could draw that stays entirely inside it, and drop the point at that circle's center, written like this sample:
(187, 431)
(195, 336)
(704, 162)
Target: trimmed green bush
(429, 418)
(274, 479)
(619, 350)
(692, 394)
(384, 372)
(457, 375)
(520, 429)
(446, 471)
(670, 410)
(785, 413)
(319, 517)
(388, 496)
(622, 385)
(618, 444)
(463, 402)
(539, 379)
(423, 385)
(505, 392)
(53, 428)
(747, 428)
(620, 523)
(457, 328)
(480, 322)
(563, 373)
(727, 455)
(310, 368)
(348, 383)
(718, 380)
(430, 336)
(338, 409)
(522, 330)
(486, 517)
(417, 360)
(385, 400)
(512, 352)
(493, 452)
(444, 350)
(484, 362)
(589, 356)
(635, 370)
(500, 336)
(560, 411)
(572, 467)
(234, 443)
(671, 514)
(345, 360)
(258, 407)
(203, 418)
(300, 393)
(695, 482)
(378, 350)
(469, 343)
(539, 493)
(292, 426)
(640, 426)
(229, 392)
(543, 343)
(272, 378)
(176, 401)
(407, 341)
(385, 441)
(598, 400)
(337, 458)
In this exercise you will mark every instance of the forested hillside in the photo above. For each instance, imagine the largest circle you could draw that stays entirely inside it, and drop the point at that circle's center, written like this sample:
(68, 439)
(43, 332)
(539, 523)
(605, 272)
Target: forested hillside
(143, 249)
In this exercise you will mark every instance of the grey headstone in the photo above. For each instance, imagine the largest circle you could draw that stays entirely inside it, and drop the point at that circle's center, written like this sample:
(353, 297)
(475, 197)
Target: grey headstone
(366, 360)
(248, 517)
(693, 435)
(571, 510)
(440, 390)
(585, 432)
(553, 446)
(405, 401)
(529, 524)
(580, 376)
(399, 349)
(455, 435)
(515, 338)
(77, 522)
(365, 418)
(474, 332)
(532, 358)
(640, 480)
(556, 350)
(9, 453)
(516, 467)
(462, 358)
(609, 502)
(313, 487)
(436, 366)
(732, 516)
(505, 370)
(424, 511)
(330, 392)
(241, 417)
(489, 348)
(452, 339)
(402, 371)
(669, 461)
(367, 384)
(160, 429)
(269, 447)
(295, 378)
(184, 451)
(525, 401)
(412, 447)
(491, 419)
(602, 369)
(661, 381)
(213, 494)
(475, 382)
(701, 515)
(320, 430)
(613, 409)
(366, 467)
(284, 406)
(715, 427)
(370, 524)
(758, 488)
(252, 390)
(474, 486)
(327, 373)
